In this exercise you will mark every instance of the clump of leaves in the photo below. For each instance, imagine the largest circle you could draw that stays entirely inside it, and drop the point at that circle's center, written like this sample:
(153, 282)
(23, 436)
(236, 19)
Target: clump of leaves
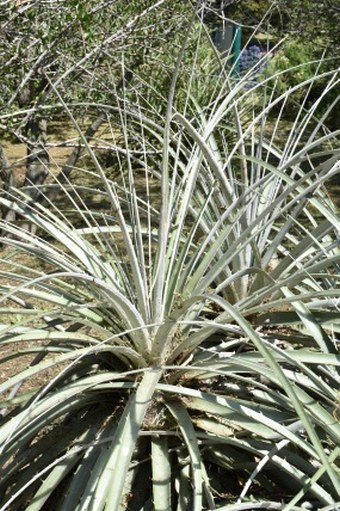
(191, 325)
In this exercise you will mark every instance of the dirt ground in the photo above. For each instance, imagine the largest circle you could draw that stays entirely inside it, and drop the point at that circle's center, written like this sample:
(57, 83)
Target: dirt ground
(16, 154)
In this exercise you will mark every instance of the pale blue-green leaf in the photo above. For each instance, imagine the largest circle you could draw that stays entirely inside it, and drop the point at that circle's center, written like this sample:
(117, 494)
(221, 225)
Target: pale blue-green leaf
(186, 427)
(51, 482)
(183, 486)
(309, 483)
(286, 385)
(111, 482)
(161, 473)
(312, 325)
(90, 467)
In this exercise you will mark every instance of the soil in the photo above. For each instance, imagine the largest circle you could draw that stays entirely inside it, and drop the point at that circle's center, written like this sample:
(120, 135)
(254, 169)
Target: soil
(16, 357)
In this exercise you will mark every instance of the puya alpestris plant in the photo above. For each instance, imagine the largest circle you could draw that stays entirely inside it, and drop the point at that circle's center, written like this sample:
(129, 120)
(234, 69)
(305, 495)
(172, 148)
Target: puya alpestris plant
(188, 324)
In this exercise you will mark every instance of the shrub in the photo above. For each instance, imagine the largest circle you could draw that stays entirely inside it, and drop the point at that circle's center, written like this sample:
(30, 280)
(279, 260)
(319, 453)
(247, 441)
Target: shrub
(187, 324)
(297, 61)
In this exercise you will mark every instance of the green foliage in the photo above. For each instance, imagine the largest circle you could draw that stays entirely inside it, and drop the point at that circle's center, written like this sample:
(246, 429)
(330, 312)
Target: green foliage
(295, 62)
(294, 56)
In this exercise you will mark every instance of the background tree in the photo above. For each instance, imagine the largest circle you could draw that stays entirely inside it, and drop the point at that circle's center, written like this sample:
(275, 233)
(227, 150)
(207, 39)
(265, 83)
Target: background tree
(88, 51)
